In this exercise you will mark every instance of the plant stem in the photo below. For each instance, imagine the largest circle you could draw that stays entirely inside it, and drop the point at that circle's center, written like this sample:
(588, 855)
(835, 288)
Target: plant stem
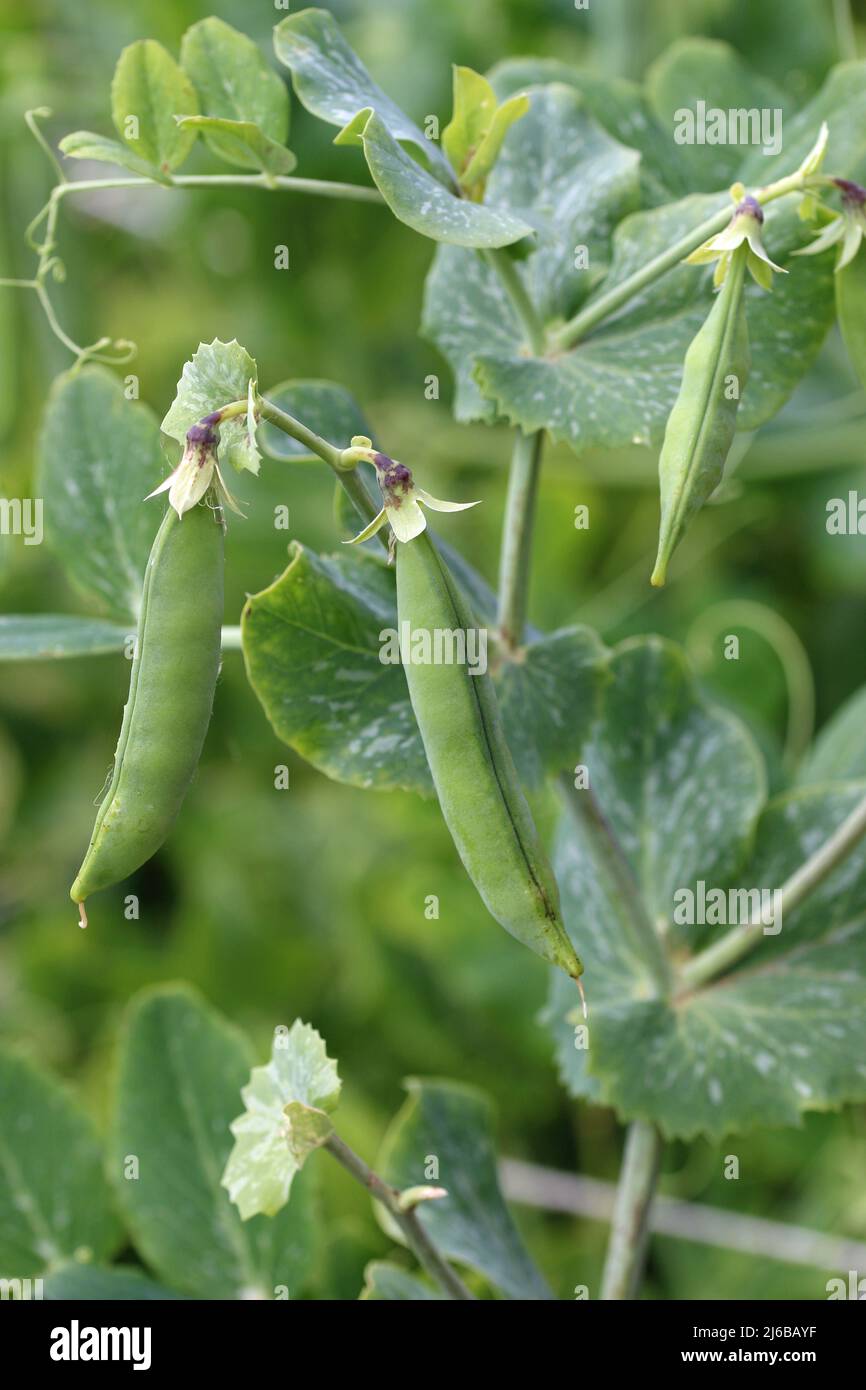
(740, 941)
(349, 479)
(516, 547)
(511, 280)
(846, 35)
(606, 304)
(791, 654)
(286, 183)
(629, 1232)
(554, 1191)
(329, 453)
(417, 1238)
(517, 527)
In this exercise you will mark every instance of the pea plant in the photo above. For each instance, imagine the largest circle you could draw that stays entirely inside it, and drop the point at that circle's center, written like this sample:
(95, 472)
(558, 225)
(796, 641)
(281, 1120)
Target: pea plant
(706, 942)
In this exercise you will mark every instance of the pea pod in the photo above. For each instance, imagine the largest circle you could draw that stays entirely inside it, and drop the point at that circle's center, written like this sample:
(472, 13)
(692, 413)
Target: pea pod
(473, 772)
(171, 692)
(702, 424)
(851, 308)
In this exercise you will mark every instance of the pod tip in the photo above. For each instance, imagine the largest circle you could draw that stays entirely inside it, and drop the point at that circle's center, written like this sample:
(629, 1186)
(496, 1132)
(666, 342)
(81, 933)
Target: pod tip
(579, 982)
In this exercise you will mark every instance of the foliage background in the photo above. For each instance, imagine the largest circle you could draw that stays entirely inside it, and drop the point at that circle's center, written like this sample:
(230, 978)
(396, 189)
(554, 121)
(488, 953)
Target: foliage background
(311, 902)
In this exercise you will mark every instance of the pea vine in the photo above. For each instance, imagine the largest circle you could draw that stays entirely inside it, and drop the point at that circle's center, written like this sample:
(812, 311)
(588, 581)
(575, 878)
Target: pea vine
(660, 789)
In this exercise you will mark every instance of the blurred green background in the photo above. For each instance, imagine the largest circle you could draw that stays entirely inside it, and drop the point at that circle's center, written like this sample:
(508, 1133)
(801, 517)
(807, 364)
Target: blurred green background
(310, 901)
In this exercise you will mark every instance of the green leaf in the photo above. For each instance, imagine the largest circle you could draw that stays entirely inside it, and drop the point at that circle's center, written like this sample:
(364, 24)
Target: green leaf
(573, 183)
(286, 1118)
(83, 144)
(618, 386)
(472, 1224)
(839, 752)
(680, 784)
(851, 309)
(421, 201)
(54, 1201)
(98, 1283)
(182, 1068)
(714, 74)
(312, 644)
(782, 1033)
(384, 1282)
(786, 1032)
(331, 81)
(619, 107)
(243, 143)
(482, 161)
(474, 105)
(327, 409)
(217, 374)
(473, 138)
(148, 90)
(99, 457)
(244, 99)
(549, 697)
(680, 781)
(50, 636)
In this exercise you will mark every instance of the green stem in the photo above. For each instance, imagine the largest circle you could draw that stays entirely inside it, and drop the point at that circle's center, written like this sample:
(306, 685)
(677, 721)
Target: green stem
(516, 552)
(516, 548)
(287, 183)
(349, 479)
(629, 1232)
(123, 350)
(30, 118)
(606, 304)
(417, 1237)
(791, 653)
(506, 271)
(740, 941)
(329, 453)
(846, 35)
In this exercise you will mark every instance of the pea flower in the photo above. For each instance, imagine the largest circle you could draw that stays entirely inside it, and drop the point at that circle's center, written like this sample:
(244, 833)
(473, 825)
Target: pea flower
(197, 471)
(402, 499)
(846, 228)
(744, 229)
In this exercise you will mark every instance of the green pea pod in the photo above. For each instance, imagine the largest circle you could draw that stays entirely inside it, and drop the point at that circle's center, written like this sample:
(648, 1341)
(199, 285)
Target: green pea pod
(851, 308)
(702, 424)
(473, 772)
(171, 690)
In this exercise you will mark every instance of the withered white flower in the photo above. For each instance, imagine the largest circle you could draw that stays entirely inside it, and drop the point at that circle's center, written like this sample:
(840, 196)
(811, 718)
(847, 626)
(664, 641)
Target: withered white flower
(847, 228)
(401, 497)
(197, 471)
(744, 228)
